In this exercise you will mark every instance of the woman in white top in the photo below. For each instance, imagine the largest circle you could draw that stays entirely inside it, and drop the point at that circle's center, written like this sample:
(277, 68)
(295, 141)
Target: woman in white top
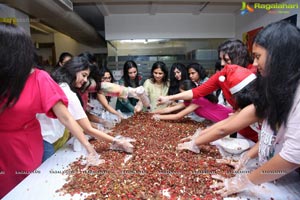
(74, 75)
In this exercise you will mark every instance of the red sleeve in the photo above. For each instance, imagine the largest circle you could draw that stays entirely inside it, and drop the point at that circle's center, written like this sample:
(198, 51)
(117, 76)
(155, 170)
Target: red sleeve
(50, 93)
(249, 133)
(208, 87)
(252, 68)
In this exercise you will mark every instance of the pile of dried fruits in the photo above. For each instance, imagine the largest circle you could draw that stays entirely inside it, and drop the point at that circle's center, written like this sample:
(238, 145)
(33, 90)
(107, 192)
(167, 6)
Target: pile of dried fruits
(155, 170)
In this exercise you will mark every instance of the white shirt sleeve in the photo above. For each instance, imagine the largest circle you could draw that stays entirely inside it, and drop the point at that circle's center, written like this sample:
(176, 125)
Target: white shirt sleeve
(291, 134)
(74, 106)
(51, 128)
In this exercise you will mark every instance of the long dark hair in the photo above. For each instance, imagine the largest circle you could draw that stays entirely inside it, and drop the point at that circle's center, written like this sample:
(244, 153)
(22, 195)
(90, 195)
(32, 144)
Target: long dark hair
(67, 73)
(198, 68)
(106, 70)
(127, 66)
(187, 85)
(160, 65)
(16, 62)
(174, 83)
(278, 86)
(237, 52)
(61, 58)
(102, 74)
(94, 73)
(246, 96)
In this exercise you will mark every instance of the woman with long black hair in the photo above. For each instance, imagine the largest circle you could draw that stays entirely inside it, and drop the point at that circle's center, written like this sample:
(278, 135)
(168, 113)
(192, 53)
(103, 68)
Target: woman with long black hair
(276, 50)
(24, 92)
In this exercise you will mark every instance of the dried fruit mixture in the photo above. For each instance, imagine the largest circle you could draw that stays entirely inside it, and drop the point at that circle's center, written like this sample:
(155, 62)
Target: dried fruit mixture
(155, 170)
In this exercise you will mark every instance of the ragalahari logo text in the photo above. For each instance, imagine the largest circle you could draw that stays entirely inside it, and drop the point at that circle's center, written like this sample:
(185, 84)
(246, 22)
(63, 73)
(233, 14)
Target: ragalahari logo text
(246, 8)
(271, 8)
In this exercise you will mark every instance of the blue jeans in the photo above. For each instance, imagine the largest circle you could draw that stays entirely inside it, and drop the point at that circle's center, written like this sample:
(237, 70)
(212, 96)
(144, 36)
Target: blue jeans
(48, 150)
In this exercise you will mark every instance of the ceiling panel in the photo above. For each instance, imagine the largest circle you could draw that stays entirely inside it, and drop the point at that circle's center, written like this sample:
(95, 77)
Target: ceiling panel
(86, 23)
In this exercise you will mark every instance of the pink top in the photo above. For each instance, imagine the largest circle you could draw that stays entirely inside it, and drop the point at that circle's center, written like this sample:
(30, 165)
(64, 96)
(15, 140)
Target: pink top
(21, 147)
(209, 110)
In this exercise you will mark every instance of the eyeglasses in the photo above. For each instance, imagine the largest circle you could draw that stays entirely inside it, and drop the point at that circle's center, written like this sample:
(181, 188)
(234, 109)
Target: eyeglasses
(106, 78)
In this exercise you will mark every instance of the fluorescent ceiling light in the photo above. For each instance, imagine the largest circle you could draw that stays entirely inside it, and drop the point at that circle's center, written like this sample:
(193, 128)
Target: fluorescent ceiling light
(145, 41)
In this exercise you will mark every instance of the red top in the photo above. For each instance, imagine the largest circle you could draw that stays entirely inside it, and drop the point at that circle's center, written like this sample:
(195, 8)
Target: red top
(212, 84)
(252, 68)
(85, 95)
(21, 146)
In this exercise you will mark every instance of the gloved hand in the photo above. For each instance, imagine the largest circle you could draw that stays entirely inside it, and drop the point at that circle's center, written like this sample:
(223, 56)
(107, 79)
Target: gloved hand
(135, 92)
(138, 107)
(119, 118)
(192, 137)
(121, 143)
(93, 158)
(155, 117)
(107, 124)
(232, 185)
(141, 93)
(239, 164)
(77, 146)
(191, 146)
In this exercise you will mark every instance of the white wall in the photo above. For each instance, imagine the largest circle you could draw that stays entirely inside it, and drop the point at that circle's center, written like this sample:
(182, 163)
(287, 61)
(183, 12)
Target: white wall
(42, 38)
(65, 43)
(22, 19)
(167, 26)
(260, 18)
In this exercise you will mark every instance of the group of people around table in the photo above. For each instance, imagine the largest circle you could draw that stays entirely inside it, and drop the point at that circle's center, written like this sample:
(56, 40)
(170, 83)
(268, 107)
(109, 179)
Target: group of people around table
(264, 98)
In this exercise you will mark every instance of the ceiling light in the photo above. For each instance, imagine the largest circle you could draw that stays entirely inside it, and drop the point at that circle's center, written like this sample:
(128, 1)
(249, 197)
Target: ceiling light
(145, 41)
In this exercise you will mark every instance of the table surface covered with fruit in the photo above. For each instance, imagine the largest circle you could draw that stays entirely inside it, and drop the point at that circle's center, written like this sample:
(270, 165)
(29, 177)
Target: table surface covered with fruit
(155, 170)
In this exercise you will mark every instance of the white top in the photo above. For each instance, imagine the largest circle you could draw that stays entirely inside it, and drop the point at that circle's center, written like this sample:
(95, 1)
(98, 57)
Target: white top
(286, 143)
(51, 128)
(96, 107)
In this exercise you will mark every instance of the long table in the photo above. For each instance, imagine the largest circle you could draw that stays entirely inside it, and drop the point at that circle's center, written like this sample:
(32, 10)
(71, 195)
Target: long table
(44, 182)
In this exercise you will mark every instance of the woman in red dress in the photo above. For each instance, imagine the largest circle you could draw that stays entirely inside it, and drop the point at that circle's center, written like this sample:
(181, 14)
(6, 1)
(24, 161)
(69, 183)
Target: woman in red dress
(24, 92)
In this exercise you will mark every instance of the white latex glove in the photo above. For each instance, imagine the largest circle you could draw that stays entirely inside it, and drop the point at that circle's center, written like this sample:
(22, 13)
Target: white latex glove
(192, 137)
(93, 158)
(107, 124)
(239, 164)
(191, 146)
(155, 117)
(77, 146)
(135, 92)
(121, 143)
(232, 185)
(138, 107)
(119, 118)
(140, 91)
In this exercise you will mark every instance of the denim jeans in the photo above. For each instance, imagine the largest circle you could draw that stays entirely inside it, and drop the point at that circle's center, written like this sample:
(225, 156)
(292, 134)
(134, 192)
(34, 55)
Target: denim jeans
(48, 150)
